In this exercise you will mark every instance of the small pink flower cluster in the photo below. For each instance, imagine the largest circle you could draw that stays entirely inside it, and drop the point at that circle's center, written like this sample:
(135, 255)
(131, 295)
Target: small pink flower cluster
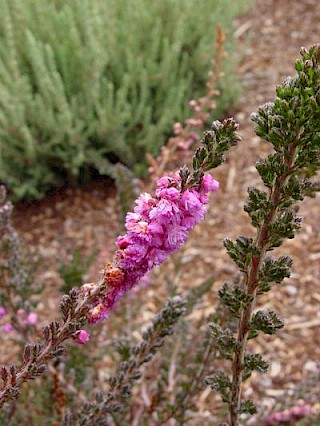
(158, 226)
(81, 337)
(24, 319)
(284, 417)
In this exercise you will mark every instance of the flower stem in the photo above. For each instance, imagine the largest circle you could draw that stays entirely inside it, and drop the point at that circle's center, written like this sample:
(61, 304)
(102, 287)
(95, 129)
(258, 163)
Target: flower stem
(36, 364)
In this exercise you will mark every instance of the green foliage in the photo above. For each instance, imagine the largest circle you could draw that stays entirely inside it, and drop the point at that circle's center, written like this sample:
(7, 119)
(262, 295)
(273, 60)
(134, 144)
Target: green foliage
(79, 363)
(82, 80)
(221, 383)
(134, 358)
(37, 395)
(234, 298)
(273, 271)
(247, 406)
(266, 321)
(72, 273)
(215, 143)
(253, 362)
(17, 265)
(224, 339)
(292, 125)
(241, 251)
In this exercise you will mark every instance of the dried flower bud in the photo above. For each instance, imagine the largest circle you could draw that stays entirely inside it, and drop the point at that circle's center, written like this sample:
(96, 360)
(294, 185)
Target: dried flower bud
(87, 289)
(113, 275)
(98, 313)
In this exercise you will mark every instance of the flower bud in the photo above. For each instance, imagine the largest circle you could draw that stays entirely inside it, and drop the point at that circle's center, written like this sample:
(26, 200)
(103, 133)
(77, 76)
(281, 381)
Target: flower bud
(7, 327)
(32, 318)
(81, 337)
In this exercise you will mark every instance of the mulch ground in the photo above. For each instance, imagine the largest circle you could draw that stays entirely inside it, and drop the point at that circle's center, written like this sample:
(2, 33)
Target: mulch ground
(269, 39)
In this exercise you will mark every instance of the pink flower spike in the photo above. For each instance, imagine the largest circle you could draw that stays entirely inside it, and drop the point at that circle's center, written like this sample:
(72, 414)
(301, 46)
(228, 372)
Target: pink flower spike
(81, 337)
(7, 327)
(2, 312)
(158, 226)
(32, 318)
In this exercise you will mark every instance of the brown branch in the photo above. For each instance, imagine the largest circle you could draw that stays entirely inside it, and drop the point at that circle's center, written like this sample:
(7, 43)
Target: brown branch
(36, 356)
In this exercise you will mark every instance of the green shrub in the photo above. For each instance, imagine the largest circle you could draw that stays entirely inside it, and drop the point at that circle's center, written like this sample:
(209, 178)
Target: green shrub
(72, 272)
(81, 80)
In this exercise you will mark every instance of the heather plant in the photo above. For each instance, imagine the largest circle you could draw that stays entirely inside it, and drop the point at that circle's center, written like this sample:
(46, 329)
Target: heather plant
(291, 124)
(81, 82)
(297, 403)
(17, 284)
(179, 147)
(159, 224)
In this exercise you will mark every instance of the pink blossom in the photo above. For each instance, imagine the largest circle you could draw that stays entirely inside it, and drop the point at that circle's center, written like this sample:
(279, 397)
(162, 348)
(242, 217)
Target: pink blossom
(177, 128)
(194, 122)
(171, 194)
(158, 226)
(148, 242)
(208, 184)
(292, 413)
(32, 318)
(144, 204)
(81, 337)
(190, 200)
(193, 103)
(21, 313)
(164, 182)
(7, 327)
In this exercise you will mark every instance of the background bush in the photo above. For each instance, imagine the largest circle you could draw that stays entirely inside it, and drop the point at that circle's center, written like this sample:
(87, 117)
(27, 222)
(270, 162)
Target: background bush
(85, 80)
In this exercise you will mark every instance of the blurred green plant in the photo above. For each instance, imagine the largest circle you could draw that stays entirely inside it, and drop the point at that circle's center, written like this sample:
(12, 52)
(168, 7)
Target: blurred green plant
(72, 272)
(83, 81)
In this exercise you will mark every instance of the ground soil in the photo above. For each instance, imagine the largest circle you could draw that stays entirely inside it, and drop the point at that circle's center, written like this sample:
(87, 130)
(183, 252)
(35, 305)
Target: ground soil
(269, 38)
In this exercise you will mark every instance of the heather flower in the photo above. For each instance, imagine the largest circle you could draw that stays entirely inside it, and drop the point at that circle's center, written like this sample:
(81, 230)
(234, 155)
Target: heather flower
(193, 103)
(293, 413)
(7, 327)
(81, 337)
(160, 224)
(157, 227)
(208, 184)
(32, 318)
(177, 128)
(144, 204)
